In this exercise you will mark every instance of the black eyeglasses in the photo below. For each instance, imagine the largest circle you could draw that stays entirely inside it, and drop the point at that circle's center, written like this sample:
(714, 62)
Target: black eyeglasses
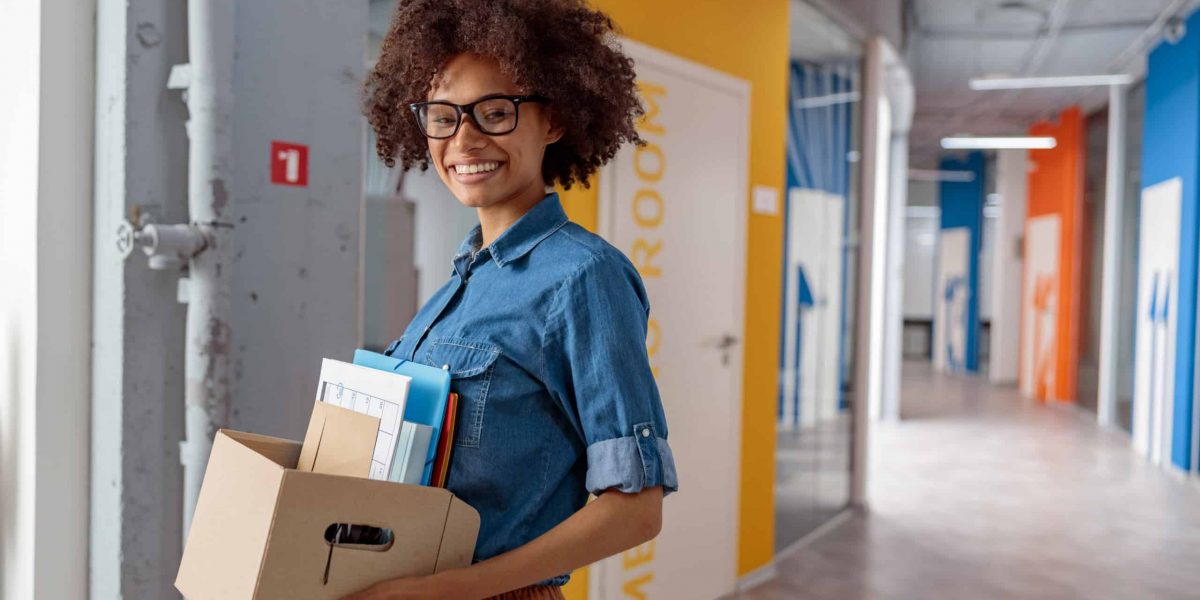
(493, 115)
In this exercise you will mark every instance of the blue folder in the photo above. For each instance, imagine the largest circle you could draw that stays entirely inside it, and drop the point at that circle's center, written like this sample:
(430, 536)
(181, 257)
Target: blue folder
(427, 395)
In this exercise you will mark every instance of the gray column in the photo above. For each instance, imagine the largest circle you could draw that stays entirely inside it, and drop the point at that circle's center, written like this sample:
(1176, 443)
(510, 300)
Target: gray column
(1111, 277)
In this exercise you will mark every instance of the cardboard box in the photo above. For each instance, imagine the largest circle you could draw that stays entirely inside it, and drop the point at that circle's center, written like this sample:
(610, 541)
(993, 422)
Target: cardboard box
(260, 525)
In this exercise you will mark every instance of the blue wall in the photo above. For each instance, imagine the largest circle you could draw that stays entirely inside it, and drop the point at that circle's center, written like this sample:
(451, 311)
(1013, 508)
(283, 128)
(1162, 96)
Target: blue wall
(962, 206)
(1171, 148)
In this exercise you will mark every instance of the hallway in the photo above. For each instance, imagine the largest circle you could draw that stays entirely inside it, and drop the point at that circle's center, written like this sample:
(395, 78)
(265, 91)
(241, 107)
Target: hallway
(981, 494)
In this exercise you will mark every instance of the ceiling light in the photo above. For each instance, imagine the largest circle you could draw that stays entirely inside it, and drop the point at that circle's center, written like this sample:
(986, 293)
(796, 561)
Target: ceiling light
(1022, 83)
(998, 143)
(935, 175)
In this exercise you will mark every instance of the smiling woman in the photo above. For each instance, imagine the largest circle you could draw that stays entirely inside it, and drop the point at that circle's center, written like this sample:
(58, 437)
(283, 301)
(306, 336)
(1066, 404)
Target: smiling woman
(546, 346)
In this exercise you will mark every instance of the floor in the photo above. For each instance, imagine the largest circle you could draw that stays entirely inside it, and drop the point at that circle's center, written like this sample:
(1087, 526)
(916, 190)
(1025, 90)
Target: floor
(978, 494)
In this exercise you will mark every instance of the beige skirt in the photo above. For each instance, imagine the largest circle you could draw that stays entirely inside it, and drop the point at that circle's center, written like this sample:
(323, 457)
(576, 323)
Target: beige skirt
(533, 592)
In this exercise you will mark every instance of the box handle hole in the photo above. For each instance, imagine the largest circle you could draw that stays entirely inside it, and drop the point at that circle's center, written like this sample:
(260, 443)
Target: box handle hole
(359, 537)
(353, 536)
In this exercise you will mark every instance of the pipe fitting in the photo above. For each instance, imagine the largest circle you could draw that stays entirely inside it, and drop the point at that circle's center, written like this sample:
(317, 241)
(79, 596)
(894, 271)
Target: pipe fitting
(166, 246)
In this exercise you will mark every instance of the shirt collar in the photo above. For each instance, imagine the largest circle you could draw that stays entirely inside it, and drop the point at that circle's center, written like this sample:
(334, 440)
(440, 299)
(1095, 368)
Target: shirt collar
(521, 237)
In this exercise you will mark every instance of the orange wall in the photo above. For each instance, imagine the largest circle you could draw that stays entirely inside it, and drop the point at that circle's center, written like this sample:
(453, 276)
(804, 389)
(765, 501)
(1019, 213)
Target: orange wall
(1056, 186)
(749, 42)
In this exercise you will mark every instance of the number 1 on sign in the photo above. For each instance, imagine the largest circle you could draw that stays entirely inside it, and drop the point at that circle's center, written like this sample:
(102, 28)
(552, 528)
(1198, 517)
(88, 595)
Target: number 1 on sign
(291, 159)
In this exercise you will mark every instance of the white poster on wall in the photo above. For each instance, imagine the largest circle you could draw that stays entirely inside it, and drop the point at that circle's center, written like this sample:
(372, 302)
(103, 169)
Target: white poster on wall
(952, 296)
(1154, 358)
(812, 308)
(1039, 306)
(678, 208)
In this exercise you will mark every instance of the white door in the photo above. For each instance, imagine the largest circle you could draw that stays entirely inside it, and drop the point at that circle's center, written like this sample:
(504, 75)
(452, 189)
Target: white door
(677, 208)
(1158, 294)
(812, 325)
(1039, 306)
(951, 296)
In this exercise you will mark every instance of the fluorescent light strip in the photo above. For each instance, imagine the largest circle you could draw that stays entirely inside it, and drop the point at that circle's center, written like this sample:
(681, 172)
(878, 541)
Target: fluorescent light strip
(801, 103)
(998, 143)
(1021, 83)
(933, 175)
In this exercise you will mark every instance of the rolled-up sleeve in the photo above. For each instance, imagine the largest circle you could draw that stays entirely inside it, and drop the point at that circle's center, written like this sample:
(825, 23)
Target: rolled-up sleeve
(597, 368)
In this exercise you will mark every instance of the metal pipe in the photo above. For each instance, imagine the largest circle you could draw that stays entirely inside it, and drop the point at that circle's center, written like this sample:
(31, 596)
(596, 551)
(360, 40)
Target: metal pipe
(1110, 291)
(207, 365)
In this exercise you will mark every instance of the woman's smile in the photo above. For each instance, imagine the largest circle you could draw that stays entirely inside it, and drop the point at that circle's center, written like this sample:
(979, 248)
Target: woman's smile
(475, 171)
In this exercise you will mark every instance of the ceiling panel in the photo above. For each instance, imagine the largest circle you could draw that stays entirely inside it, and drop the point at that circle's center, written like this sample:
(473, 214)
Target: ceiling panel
(955, 40)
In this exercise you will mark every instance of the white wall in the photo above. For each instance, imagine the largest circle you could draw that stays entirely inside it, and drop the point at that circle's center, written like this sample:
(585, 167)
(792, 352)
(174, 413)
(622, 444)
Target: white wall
(45, 222)
(1011, 182)
(920, 251)
(441, 224)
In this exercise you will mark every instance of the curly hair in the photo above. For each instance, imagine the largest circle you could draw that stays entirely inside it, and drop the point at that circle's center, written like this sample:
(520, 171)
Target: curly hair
(561, 49)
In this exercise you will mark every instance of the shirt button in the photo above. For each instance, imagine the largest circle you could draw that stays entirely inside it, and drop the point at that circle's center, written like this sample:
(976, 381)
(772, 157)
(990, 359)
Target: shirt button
(645, 433)
(445, 367)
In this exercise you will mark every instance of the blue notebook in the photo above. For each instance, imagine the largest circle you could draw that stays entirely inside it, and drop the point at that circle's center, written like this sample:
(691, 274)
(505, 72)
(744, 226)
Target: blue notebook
(427, 395)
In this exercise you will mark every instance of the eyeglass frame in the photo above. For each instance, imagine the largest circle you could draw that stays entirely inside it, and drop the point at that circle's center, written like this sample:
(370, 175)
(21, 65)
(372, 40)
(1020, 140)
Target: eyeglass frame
(469, 109)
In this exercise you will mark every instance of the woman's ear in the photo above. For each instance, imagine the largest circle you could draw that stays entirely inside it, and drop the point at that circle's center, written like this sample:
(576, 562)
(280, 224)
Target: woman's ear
(556, 131)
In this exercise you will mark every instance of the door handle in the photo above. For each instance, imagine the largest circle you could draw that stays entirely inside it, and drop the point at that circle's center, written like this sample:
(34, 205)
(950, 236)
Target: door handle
(724, 343)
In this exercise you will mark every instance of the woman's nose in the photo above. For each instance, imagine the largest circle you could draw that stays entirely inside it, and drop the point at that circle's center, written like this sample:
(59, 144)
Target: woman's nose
(468, 134)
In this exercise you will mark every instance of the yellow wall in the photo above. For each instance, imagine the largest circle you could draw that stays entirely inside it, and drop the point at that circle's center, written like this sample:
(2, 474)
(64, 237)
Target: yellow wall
(749, 41)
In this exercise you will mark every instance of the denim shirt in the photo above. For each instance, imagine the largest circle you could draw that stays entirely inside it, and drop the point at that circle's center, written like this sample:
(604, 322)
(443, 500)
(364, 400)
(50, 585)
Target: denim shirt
(544, 335)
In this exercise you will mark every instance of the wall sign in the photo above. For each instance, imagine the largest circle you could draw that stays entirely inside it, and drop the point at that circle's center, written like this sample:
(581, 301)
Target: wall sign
(289, 163)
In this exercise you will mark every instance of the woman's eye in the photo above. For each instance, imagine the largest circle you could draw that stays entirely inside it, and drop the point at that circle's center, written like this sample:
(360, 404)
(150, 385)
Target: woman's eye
(496, 115)
(442, 120)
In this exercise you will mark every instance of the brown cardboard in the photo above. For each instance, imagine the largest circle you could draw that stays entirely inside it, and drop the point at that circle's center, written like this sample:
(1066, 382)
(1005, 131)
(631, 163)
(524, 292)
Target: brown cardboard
(258, 530)
(338, 441)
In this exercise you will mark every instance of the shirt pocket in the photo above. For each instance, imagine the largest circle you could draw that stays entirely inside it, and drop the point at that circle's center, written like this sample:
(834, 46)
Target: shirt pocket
(471, 366)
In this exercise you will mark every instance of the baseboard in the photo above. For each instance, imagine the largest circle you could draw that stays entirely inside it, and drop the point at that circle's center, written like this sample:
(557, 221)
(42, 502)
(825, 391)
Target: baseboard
(768, 571)
(756, 577)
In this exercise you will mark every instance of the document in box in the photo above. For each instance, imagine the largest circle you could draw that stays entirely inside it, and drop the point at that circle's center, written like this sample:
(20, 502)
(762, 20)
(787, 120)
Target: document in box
(370, 392)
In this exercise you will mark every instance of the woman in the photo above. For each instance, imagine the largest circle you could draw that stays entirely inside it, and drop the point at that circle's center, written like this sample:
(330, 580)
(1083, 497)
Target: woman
(542, 324)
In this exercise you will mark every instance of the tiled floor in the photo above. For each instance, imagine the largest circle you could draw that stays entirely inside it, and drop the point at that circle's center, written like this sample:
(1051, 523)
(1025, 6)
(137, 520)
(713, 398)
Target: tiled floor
(978, 494)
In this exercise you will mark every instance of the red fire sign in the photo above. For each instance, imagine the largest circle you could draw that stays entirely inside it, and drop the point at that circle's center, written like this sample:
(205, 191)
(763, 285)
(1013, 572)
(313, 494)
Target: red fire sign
(289, 163)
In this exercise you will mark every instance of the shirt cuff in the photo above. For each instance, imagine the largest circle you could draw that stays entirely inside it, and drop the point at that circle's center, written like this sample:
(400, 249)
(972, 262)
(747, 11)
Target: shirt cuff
(632, 463)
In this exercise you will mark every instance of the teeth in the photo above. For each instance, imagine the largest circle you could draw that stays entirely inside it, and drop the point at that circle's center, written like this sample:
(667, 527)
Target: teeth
(476, 168)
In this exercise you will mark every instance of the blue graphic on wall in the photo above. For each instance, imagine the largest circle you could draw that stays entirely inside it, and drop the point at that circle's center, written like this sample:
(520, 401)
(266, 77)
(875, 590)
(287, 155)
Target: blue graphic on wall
(954, 296)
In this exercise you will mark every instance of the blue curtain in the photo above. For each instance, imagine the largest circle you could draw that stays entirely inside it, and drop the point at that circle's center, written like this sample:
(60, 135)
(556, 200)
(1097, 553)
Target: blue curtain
(821, 101)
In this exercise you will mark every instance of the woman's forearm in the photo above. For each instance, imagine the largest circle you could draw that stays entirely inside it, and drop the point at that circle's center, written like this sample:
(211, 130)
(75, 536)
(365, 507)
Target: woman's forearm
(612, 523)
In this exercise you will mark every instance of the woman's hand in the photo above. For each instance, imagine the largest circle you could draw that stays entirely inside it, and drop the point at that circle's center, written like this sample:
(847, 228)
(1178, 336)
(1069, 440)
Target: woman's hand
(429, 587)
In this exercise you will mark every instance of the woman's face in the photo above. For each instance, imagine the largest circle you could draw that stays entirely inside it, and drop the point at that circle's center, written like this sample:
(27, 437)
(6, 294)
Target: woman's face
(517, 156)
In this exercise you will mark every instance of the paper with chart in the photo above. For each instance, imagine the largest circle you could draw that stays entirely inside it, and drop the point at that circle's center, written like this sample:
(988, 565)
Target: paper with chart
(370, 392)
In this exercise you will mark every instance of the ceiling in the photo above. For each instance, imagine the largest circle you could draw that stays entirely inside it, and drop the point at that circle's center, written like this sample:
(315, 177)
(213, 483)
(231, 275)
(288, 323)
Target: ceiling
(951, 41)
(817, 38)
